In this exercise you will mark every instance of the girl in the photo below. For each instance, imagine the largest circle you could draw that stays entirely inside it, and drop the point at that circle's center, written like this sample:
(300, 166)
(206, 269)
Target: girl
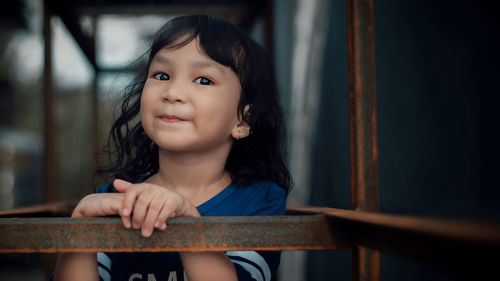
(208, 143)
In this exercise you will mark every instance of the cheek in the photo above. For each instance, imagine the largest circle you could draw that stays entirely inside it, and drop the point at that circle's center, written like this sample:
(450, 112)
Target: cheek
(147, 94)
(145, 111)
(147, 99)
(142, 108)
(221, 113)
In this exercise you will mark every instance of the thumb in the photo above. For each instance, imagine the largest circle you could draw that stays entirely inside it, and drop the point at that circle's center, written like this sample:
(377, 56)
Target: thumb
(121, 185)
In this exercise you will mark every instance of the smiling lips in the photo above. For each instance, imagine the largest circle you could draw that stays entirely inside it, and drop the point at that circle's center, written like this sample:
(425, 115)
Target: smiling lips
(171, 118)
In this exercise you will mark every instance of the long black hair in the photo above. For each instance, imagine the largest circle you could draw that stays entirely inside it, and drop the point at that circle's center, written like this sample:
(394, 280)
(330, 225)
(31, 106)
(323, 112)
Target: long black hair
(258, 157)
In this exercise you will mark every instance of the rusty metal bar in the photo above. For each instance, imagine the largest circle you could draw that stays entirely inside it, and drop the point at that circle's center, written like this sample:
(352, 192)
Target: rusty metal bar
(464, 247)
(479, 232)
(363, 126)
(57, 209)
(50, 235)
(50, 186)
(460, 246)
(362, 102)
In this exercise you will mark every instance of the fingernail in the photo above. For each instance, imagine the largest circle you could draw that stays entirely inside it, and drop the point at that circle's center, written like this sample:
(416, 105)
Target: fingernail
(126, 212)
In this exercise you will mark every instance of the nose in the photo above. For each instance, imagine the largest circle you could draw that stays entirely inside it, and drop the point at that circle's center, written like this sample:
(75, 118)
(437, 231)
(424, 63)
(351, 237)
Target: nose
(173, 92)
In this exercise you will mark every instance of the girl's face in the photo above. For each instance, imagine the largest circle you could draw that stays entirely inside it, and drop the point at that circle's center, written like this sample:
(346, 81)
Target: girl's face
(189, 101)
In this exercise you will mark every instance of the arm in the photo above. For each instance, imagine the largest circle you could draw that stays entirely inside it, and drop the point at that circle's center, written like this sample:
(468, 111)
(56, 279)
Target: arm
(83, 266)
(208, 266)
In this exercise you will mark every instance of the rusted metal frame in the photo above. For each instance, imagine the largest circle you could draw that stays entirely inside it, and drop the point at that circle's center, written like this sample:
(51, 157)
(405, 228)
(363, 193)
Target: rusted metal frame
(462, 247)
(50, 182)
(50, 163)
(362, 103)
(481, 232)
(50, 235)
(56, 209)
(363, 126)
(452, 229)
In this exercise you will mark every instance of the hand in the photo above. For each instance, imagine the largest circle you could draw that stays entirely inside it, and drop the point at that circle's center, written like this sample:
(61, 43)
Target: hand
(151, 205)
(98, 205)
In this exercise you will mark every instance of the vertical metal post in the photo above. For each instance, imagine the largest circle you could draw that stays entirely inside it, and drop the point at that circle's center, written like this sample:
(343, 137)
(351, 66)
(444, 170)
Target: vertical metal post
(94, 97)
(363, 126)
(50, 166)
(50, 133)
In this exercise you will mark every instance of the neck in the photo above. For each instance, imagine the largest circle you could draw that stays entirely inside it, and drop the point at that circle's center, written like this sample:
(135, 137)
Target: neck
(193, 171)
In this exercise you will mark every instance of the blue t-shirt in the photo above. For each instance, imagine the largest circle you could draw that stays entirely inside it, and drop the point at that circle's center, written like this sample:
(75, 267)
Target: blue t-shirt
(259, 199)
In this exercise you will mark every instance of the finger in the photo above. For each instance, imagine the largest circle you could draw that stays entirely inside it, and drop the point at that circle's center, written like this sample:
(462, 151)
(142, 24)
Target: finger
(141, 207)
(128, 205)
(121, 185)
(115, 204)
(153, 211)
(166, 212)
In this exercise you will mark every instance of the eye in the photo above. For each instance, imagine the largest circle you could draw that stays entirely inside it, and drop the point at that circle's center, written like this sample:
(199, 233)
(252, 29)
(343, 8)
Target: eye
(203, 81)
(161, 76)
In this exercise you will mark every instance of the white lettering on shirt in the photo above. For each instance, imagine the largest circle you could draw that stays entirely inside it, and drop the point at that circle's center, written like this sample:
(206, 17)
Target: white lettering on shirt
(134, 276)
(172, 276)
(151, 277)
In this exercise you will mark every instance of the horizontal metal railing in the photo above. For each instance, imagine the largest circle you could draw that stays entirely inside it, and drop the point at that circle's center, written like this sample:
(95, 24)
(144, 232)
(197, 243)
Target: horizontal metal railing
(457, 245)
(49, 235)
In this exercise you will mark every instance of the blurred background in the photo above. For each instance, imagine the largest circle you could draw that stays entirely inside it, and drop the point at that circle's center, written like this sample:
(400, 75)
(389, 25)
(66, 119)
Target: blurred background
(437, 101)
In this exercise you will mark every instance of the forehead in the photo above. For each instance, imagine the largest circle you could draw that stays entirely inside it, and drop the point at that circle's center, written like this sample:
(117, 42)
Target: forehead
(190, 54)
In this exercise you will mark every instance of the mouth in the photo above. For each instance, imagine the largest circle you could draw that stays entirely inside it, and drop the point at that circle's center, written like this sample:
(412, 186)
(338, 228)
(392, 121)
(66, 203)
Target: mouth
(170, 118)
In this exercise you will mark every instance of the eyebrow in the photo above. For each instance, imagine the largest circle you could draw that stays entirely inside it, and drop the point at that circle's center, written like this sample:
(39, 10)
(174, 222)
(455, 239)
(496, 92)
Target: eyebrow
(160, 59)
(196, 64)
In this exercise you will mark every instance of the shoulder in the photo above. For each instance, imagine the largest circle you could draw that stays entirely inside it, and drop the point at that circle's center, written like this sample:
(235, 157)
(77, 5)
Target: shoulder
(265, 190)
(263, 198)
(258, 199)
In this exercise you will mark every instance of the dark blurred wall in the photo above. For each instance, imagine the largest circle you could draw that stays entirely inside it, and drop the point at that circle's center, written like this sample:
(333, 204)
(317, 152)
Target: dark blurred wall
(437, 64)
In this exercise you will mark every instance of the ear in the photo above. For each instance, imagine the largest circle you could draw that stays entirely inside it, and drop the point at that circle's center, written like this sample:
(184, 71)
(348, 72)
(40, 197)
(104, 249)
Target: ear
(241, 128)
